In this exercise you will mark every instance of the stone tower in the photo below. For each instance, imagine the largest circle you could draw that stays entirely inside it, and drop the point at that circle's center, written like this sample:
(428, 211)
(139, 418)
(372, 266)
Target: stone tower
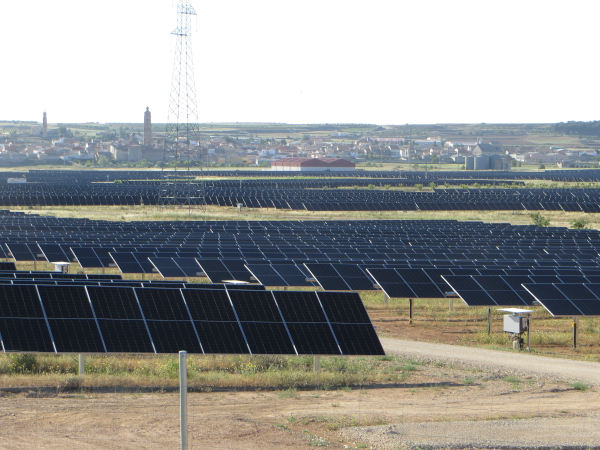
(147, 128)
(45, 124)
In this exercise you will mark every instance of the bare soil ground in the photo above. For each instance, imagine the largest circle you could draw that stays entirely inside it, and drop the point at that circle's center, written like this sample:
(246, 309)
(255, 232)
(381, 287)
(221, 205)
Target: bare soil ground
(440, 404)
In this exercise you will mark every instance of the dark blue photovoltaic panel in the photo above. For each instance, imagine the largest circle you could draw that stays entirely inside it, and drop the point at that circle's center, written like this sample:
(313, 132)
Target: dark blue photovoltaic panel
(25, 335)
(268, 338)
(266, 275)
(162, 304)
(125, 336)
(174, 336)
(255, 306)
(76, 335)
(327, 277)
(167, 267)
(469, 291)
(344, 308)
(391, 283)
(98, 319)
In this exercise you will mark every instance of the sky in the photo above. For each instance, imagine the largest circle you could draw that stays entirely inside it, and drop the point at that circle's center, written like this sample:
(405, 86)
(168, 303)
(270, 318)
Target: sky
(308, 61)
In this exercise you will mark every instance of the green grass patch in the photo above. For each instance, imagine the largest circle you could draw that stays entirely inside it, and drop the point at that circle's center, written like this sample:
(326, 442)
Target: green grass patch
(579, 386)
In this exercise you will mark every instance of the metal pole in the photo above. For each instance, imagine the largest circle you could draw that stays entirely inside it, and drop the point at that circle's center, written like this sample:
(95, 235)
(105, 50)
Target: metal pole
(410, 310)
(317, 369)
(183, 399)
(575, 332)
(489, 321)
(528, 333)
(81, 361)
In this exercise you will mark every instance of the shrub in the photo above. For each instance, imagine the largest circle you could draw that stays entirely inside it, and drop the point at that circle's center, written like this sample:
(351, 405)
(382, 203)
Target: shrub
(23, 363)
(539, 220)
(579, 224)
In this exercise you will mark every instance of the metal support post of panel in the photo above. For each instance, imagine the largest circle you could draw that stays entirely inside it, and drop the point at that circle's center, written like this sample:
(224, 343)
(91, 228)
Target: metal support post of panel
(575, 332)
(410, 310)
(489, 317)
(317, 369)
(183, 399)
(528, 333)
(81, 364)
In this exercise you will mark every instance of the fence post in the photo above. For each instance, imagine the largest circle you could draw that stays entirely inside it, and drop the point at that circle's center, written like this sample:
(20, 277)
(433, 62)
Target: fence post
(183, 399)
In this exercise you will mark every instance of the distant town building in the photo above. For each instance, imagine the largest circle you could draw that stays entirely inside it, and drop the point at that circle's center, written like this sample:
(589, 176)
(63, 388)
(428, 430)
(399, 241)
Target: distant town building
(312, 164)
(487, 162)
(487, 149)
(147, 128)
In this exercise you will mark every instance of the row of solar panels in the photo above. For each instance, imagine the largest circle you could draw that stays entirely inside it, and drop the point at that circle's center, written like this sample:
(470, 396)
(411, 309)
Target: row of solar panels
(90, 319)
(86, 176)
(558, 298)
(279, 233)
(568, 199)
(97, 256)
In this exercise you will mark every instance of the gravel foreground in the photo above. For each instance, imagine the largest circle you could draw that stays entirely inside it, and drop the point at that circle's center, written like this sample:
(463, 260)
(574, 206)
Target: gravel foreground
(523, 433)
(522, 363)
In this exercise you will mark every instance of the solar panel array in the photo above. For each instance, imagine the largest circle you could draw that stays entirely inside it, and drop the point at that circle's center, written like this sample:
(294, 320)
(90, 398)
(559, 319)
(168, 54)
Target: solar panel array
(100, 319)
(151, 188)
(89, 176)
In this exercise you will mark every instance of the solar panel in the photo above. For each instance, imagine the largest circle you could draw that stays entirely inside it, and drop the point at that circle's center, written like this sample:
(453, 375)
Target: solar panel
(22, 323)
(120, 320)
(292, 274)
(166, 267)
(468, 290)
(215, 270)
(391, 283)
(237, 270)
(552, 299)
(354, 277)
(189, 266)
(584, 299)
(420, 283)
(7, 265)
(126, 262)
(86, 257)
(350, 323)
(54, 253)
(501, 292)
(168, 320)
(20, 252)
(327, 277)
(266, 275)
(215, 321)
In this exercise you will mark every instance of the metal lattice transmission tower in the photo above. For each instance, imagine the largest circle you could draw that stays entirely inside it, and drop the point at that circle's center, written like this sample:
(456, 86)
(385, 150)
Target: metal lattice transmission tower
(182, 138)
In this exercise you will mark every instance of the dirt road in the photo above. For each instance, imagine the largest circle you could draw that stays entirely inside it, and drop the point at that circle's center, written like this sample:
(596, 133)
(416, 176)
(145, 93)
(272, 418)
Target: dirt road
(522, 363)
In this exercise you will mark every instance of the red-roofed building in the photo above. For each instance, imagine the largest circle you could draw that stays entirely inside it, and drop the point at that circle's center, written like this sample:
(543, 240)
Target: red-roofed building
(313, 165)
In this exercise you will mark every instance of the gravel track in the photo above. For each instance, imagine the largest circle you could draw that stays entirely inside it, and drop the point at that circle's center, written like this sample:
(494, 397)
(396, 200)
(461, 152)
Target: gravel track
(523, 363)
(572, 432)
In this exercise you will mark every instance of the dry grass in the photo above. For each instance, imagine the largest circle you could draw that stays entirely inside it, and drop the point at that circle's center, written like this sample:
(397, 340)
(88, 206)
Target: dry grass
(205, 373)
(138, 213)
